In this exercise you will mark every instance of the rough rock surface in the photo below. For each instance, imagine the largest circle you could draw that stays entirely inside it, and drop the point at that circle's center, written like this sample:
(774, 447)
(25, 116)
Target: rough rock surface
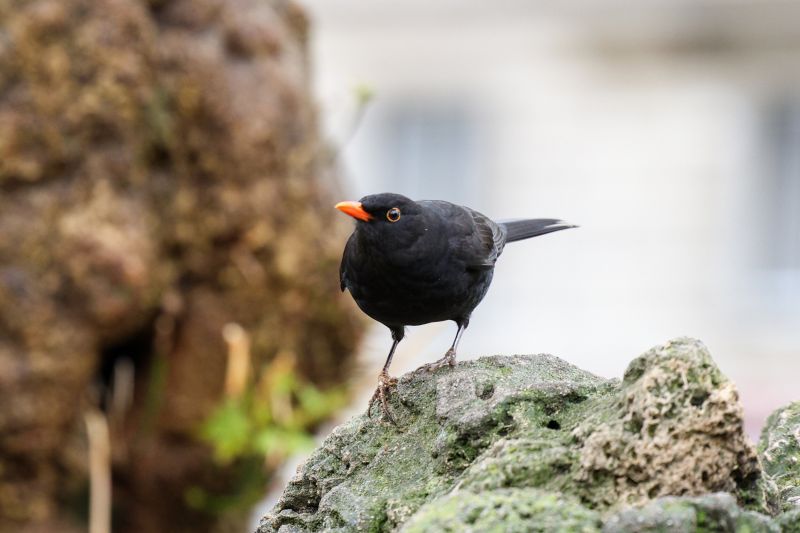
(675, 427)
(517, 443)
(530, 510)
(780, 454)
(513, 510)
(159, 178)
(710, 512)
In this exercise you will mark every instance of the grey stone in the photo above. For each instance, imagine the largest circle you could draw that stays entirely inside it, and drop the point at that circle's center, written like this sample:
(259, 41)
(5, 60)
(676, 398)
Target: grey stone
(779, 447)
(532, 443)
(710, 512)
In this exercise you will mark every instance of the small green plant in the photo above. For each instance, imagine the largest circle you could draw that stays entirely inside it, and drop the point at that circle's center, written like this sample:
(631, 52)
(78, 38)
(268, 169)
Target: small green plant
(259, 424)
(271, 418)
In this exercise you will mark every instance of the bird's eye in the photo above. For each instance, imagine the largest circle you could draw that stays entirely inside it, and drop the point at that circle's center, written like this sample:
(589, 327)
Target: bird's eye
(393, 214)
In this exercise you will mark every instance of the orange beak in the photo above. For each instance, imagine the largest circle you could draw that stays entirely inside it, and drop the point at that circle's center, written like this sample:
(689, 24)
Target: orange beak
(354, 209)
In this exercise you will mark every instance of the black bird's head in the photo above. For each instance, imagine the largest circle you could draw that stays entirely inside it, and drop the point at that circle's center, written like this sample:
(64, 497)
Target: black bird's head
(386, 216)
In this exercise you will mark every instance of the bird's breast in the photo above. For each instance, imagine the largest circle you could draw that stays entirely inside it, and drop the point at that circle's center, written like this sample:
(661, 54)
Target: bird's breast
(415, 286)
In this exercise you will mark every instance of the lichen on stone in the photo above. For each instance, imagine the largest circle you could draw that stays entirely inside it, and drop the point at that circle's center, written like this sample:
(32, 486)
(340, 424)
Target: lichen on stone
(676, 428)
(512, 442)
(779, 447)
(710, 512)
(789, 522)
(511, 510)
(369, 475)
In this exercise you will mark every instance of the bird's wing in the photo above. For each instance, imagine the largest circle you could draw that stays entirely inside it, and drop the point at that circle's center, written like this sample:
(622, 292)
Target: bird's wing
(343, 265)
(476, 239)
(492, 236)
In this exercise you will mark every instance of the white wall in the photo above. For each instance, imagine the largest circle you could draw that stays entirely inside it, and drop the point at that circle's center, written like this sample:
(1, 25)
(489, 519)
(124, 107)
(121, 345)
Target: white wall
(647, 129)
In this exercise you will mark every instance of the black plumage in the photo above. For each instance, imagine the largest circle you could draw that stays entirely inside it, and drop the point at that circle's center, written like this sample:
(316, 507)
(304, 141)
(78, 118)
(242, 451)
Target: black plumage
(409, 263)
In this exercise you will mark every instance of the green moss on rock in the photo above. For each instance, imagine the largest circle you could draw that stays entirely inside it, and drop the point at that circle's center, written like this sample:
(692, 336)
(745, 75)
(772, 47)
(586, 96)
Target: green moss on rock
(708, 513)
(779, 447)
(789, 522)
(504, 510)
(676, 427)
(524, 441)
(370, 475)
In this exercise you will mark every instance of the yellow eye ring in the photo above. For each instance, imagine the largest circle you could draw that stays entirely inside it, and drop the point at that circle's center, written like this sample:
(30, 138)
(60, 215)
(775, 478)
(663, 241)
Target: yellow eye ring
(393, 214)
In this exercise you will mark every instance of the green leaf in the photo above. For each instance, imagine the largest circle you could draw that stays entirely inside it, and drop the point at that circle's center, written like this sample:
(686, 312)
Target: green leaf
(228, 430)
(279, 441)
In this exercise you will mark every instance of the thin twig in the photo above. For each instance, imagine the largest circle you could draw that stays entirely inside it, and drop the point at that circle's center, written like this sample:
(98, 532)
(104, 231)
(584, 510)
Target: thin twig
(238, 359)
(99, 471)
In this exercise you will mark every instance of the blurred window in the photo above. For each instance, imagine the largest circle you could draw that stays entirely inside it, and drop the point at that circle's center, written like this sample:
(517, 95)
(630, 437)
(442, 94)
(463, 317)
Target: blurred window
(783, 209)
(778, 249)
(428, 150)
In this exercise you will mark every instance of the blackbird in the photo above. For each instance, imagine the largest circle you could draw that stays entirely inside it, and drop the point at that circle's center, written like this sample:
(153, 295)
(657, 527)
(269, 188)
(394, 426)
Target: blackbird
(409, 263)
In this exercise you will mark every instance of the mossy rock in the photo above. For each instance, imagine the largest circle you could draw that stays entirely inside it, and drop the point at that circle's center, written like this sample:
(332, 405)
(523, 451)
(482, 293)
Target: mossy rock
(504, 511)
(789, 522)
(779, 448)
(530, 436)
(717, 512)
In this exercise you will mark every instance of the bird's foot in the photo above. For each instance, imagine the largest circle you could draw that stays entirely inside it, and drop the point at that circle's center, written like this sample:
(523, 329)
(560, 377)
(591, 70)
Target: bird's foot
(381, 394)
(449, 359)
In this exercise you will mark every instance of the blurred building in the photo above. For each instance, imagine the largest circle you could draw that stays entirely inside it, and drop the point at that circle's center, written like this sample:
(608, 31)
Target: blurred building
(670, 131)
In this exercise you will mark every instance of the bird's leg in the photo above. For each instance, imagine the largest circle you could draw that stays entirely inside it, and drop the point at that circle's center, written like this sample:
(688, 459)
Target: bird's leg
(386, 382)
(449, 358)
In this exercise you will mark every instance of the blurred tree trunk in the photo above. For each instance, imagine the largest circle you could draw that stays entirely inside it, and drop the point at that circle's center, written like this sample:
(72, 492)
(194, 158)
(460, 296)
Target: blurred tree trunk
(159, 178)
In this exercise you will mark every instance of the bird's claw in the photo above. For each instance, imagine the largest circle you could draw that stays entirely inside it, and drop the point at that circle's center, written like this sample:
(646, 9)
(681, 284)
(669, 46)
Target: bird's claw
(449, 359)
(385, 384)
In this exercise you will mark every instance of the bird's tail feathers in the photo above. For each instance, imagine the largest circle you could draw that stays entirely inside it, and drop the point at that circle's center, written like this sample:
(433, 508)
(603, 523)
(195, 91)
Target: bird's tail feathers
(519, 229)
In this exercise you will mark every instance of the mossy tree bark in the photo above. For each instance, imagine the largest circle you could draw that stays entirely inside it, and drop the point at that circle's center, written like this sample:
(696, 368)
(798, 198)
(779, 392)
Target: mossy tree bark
(159, 178)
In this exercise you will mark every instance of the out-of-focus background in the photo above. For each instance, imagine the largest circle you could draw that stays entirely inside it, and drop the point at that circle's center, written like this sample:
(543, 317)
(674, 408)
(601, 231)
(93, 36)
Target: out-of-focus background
(171, 329)
(670, 131)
